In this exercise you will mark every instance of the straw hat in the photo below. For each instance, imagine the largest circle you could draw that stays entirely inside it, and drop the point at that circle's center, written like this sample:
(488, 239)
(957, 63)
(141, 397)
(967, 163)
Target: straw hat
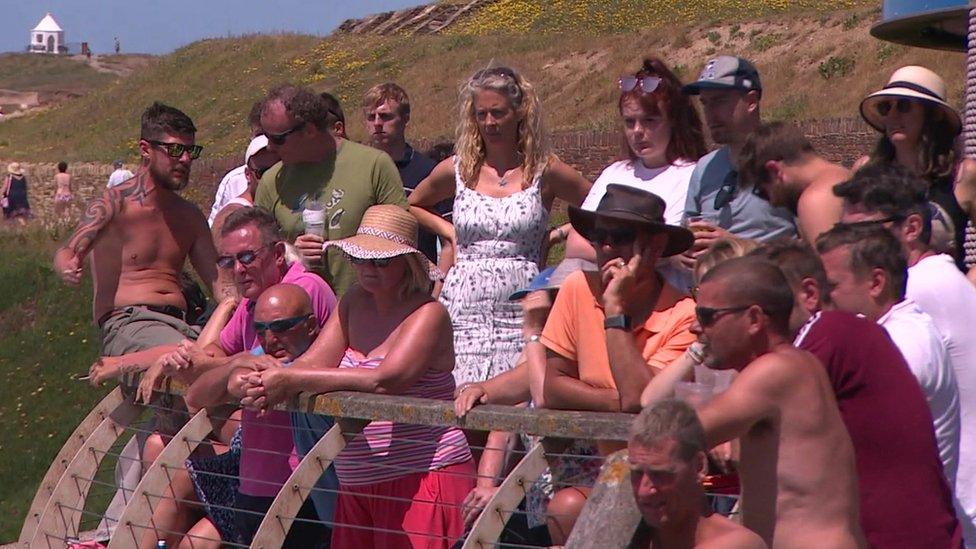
(14, 169)
(385, 231)
(913, 82)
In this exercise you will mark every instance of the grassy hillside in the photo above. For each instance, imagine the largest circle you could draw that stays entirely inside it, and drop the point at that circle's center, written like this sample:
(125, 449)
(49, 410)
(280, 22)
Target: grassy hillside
(48, 73)
(817, 62)
(46, 336)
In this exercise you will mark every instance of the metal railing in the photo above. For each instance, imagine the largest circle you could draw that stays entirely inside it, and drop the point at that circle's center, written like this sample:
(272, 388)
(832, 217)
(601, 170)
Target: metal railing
(66, 499)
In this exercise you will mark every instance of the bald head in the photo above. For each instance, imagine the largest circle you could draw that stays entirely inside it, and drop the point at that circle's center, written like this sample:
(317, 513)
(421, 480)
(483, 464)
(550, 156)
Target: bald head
(746, 280)
(284, 322)
(285, 299)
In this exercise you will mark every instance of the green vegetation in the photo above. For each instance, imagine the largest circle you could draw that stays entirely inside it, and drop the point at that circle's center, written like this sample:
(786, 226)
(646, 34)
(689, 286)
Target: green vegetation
(836, 67)
(49, 73)
(763, 42)
(46, 337)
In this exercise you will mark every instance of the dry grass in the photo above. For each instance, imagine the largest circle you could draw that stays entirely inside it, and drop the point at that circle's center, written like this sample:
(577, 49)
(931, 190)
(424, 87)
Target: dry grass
(574, 68)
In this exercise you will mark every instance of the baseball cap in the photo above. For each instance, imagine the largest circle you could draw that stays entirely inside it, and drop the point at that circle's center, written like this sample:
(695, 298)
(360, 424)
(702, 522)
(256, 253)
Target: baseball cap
(257, 144)
(551, 278)
(726, 72)
(117, 164)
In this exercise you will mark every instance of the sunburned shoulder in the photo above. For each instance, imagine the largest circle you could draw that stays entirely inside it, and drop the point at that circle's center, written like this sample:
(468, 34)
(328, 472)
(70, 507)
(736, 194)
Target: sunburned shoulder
(779, 365)
(721, 533)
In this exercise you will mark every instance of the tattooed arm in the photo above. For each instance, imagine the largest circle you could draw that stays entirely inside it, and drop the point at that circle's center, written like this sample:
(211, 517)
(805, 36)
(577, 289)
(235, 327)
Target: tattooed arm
(98, 213)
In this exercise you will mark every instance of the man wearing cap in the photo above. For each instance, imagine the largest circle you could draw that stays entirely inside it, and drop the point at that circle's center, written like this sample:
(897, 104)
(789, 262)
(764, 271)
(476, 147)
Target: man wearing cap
(257, 160)
(119, 175)
(718, 202)
(235, 181)
(344, 176)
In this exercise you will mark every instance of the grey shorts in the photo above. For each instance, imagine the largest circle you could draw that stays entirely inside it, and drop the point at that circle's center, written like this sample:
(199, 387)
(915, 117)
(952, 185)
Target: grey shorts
(136, 328)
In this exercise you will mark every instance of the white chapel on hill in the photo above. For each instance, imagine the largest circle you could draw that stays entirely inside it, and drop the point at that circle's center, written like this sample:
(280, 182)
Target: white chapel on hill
(47, 37)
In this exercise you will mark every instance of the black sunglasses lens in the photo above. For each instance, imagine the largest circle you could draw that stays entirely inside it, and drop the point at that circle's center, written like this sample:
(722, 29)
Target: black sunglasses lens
(247, 257)
(904, 106)
(225, 261)
(884, 108)
(705, 316)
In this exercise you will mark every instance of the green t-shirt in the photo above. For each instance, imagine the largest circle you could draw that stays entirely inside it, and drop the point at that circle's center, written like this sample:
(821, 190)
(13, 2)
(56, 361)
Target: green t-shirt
(357, 178)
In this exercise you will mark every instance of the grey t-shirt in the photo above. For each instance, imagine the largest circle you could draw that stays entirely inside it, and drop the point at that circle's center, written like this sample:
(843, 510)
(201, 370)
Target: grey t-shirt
(746, 215)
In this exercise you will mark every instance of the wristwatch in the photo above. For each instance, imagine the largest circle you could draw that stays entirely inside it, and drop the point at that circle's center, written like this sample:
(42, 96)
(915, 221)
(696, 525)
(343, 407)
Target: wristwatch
(617, 321)
(533, 338)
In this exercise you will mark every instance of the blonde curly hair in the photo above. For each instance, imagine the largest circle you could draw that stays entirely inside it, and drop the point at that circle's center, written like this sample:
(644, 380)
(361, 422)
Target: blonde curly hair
(532, 140)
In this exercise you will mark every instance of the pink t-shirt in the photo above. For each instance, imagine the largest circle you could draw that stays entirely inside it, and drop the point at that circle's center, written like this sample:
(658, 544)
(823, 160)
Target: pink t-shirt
(267, 444)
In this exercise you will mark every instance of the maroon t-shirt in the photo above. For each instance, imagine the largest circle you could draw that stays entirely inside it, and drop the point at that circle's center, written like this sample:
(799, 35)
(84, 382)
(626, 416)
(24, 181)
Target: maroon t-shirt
(905, 499)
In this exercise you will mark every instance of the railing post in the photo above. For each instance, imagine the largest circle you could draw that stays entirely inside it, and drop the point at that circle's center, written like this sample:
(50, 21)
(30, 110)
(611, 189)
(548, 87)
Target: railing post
(156, 480)
(280, 516)
(489, 526)
(72, 488)
(60, 463)
(610, 515)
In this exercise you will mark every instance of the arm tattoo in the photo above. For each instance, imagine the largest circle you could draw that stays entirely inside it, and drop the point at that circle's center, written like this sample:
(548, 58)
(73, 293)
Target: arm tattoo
(100, 210)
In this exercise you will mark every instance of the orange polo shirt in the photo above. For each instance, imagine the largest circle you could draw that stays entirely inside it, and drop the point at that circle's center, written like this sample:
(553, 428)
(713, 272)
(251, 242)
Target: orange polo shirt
(575, 329)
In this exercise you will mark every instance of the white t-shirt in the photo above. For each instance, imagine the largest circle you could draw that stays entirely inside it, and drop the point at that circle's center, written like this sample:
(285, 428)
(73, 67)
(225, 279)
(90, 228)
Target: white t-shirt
(232, 185)
(946, 295)
(669, 182)
(925, 350)
(118, 176)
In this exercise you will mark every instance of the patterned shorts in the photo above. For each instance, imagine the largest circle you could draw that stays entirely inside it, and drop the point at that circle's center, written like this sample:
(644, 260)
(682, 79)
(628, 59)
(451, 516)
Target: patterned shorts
(215, 479)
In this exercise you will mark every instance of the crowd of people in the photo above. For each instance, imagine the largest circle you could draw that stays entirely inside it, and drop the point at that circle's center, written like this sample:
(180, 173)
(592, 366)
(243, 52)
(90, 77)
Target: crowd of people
(762, 309)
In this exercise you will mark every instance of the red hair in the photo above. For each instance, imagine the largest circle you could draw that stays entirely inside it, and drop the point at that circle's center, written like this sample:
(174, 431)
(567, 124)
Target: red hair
(687, 134)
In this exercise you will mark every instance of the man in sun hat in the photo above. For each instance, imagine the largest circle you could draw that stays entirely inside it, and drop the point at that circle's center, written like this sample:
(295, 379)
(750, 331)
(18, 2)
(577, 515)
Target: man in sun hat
(119, 174)
(718, 202)
(610, 331)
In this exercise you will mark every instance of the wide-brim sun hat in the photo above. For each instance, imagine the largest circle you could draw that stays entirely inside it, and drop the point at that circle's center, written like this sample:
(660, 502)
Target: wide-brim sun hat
(642, 209)
(14, 169)
(385, 231)
(913, 82)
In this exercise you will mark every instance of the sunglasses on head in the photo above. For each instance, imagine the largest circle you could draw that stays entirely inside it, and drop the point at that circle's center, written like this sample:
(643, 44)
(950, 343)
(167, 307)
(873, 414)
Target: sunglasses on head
(873, 222)
(495, 71)
(375, 262)
(176, 150)
(708, 316)
(280, 138)
(281, 325)
(615, 237)
(648, 84)
(902, 105)
(245, 257)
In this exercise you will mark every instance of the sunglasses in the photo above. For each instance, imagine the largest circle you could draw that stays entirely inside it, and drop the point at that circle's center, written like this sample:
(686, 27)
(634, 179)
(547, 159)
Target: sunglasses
(176, 150)
(727, 192)
(377, 262)
(494, 71)
(902, 105)
(245, 257)
(280, 326)
(614, 237)
(280, 138)
(647, 83)
(708, 316)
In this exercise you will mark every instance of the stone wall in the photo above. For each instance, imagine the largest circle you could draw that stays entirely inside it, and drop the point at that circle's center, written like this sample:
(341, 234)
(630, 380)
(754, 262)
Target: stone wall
(842, 140)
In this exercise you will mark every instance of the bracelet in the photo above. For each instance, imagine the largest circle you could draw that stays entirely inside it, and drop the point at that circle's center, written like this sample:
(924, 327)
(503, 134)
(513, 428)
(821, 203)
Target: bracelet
(696, 353)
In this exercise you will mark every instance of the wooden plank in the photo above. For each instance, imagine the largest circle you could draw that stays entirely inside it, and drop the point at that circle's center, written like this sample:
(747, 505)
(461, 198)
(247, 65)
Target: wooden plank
(489, 525)
(610, 516)
(60, 463)
(280, 516)
(71, 490)
(138, 513)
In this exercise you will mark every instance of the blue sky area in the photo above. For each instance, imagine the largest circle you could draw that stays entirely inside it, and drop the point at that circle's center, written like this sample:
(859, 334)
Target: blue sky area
(160, 26)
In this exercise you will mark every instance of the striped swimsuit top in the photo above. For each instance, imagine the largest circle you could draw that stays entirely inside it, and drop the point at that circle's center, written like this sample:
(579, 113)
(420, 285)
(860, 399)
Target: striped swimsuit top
(386, 450)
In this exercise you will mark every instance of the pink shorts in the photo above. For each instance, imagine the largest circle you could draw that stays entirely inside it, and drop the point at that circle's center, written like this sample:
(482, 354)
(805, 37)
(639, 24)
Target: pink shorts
(432, 521)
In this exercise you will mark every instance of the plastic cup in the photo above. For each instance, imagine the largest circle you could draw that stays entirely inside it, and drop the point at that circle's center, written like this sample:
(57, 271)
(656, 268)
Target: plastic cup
(697, 395)
(314, 221)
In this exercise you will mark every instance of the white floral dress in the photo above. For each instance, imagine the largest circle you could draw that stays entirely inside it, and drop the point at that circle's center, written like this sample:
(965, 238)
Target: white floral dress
(499, 243)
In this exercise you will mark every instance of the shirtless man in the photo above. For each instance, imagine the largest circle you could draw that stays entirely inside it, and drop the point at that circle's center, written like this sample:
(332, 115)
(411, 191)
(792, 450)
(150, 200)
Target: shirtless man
(139, 234)
(667, 459)
(799, 487)
(778, 159)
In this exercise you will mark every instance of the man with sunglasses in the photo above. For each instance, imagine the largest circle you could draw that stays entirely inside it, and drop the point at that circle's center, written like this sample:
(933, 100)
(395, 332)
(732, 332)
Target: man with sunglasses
(284, 323)
(718, 202)
(342, 175)
(140, 233)
(778, 159)
(894, 198)
(905, 500)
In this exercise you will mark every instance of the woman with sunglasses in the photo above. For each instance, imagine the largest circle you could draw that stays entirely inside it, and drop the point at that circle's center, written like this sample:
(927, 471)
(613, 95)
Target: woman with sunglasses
(918, 128)
(662, 140)
(504, 180)
(389, 337)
